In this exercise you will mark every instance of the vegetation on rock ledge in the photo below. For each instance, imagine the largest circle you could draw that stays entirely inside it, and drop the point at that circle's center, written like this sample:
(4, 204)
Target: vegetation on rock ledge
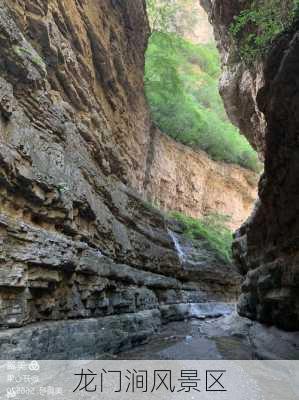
(211, 228)
(181, 82)
(255, 28)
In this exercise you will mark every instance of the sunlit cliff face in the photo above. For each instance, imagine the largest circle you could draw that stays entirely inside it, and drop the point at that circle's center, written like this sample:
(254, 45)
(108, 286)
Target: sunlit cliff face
(200, 30)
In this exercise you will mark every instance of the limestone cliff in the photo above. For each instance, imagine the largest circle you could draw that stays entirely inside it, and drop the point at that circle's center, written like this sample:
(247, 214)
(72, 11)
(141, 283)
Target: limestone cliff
(178, 178)
(192, 22)
(202, 31)
(79, 250)
(239, 85)
(181, 179)
(266, 247)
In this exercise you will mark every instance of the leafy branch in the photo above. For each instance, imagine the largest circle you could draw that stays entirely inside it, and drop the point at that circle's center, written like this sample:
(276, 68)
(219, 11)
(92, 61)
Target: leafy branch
(255, 28)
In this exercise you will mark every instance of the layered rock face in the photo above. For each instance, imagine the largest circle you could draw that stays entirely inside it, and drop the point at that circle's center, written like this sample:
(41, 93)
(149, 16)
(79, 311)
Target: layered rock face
(181, 179)
(266, 247)
(79, 247)
(238, 84)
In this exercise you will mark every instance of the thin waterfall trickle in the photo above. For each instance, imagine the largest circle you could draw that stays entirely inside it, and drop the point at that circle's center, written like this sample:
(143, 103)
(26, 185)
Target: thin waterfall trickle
(178, 247)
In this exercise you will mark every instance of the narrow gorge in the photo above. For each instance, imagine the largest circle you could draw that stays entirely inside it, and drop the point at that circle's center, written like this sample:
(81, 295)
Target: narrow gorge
(103, 242)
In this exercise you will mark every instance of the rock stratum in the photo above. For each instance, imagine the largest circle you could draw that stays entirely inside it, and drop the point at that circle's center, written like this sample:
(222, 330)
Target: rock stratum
(263, 101)
(86, 266)
(188, 181)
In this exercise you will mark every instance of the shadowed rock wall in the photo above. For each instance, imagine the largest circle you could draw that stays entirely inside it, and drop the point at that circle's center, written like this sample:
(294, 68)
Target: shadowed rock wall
(267, 245)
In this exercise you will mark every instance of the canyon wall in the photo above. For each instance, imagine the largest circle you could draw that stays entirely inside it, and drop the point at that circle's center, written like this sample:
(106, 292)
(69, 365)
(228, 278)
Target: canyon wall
(202, 32)
(239, 84)
(178, 178)
(263, 102)
(192, 22)
(86, 266)
(181, 179)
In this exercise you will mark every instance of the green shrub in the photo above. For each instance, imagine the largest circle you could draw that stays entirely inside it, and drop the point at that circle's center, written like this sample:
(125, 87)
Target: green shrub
(210, 228)
(256, 27)
(181, 81)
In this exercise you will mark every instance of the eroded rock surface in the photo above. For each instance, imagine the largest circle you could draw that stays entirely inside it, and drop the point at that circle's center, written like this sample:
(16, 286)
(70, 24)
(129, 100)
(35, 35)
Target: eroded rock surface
(239, 84)
(228, 337)
(266, 247)
(79, 250)
(181, 179)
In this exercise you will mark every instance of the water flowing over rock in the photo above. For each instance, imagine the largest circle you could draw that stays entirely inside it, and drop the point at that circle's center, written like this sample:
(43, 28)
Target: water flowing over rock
(85, 265)
(266, 246)
(178, 248)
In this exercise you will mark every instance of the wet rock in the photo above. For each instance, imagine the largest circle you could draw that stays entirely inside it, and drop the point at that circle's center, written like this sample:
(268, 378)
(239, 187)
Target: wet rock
(201, 311)
(88, 338)
(213, 274)
(229, 337)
